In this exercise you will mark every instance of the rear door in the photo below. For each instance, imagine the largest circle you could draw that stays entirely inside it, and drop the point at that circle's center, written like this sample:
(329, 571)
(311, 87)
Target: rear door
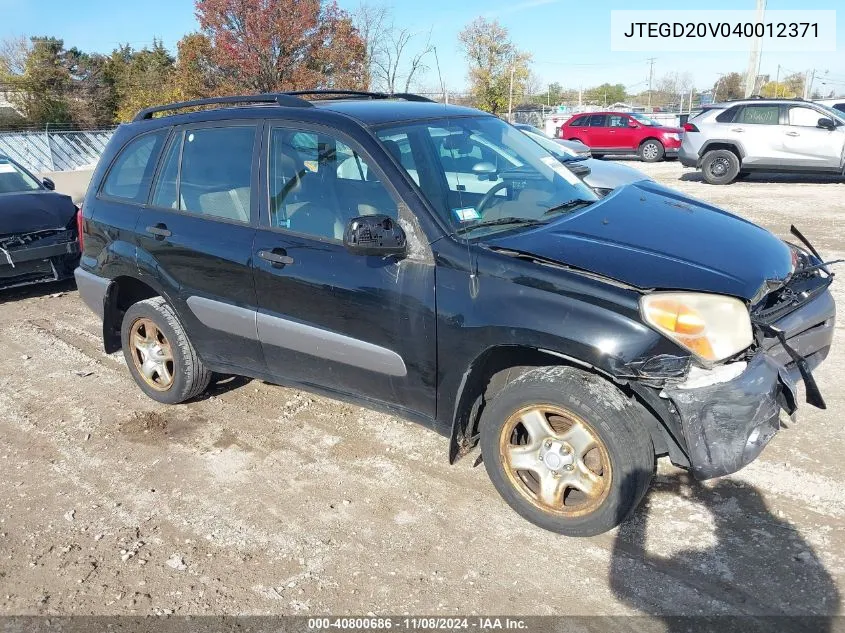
(808, 146)
(757, 127)
(597, 133)
(196, 235)
(351, 324)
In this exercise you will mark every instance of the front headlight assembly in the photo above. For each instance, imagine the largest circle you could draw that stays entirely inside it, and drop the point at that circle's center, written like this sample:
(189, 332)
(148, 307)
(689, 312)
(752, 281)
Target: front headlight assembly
(712, 327)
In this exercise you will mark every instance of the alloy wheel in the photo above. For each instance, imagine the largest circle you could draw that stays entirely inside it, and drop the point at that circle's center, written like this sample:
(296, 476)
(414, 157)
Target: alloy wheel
(555, 460)
(152, 354)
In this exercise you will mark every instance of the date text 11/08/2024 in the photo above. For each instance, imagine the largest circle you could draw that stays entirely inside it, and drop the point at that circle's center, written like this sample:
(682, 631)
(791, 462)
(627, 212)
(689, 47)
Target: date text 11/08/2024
(421, 623)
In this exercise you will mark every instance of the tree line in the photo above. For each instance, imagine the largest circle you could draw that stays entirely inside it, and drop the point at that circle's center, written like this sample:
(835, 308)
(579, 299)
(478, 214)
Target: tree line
(254, 46)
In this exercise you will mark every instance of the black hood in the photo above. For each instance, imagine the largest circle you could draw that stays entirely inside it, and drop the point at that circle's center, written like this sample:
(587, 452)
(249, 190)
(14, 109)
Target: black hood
(649, 236)
(30, 211)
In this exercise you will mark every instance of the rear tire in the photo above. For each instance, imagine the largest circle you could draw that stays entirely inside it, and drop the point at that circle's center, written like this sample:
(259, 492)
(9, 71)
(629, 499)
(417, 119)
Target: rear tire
(651, 151)
(567, 450)
(720, 166)
(159, 355)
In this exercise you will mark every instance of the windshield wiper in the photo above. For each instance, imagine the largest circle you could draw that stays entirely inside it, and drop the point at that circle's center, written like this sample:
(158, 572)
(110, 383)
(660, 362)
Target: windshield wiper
(569, 204)
(499, 222)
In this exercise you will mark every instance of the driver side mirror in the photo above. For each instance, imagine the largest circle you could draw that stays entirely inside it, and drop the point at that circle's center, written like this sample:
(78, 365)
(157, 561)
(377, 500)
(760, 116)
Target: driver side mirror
(49, 184)
(632, 123)
(378, 235)
(826, 124)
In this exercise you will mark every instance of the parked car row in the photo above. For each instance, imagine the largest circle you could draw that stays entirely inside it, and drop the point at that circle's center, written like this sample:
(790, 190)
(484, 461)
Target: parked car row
(437, 263)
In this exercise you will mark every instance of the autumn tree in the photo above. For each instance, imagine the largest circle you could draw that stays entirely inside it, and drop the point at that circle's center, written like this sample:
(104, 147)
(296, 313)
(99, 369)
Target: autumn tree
(142, 78)
(497, 68)
(729, 86)
(38, 80)
(261, 46)
(92, 98)
(195, 76)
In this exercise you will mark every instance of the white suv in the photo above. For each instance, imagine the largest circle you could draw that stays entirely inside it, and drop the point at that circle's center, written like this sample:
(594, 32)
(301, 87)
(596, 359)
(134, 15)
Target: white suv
(731, 140)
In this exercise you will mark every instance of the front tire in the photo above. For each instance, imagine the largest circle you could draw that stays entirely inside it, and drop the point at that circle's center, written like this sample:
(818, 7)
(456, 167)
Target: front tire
(159, 355)
(567, 450)
(720, 167)
(651, 151)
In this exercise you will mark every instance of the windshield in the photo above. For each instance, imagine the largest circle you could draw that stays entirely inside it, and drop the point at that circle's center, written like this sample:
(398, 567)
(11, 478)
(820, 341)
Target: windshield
(13, 178)
(480, 170)
(645, 120)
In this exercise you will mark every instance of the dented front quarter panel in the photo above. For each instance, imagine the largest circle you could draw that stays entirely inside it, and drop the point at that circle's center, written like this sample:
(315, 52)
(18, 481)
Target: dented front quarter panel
(488, 300)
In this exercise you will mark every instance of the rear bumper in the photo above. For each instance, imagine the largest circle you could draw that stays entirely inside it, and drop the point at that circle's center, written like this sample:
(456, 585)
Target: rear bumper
(92, 289)
(688, 157)
(727, 424)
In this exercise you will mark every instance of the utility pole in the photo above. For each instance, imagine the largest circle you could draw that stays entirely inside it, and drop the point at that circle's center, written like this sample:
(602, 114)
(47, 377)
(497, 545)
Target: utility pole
(510, 99)
(808, 83)
(651, 61)
(754, 57)
(777, 83)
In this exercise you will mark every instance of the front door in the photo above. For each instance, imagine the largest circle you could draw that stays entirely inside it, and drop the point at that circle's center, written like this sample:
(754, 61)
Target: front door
(620, 133)
(346, 323)
(196, 238)
(808, 145)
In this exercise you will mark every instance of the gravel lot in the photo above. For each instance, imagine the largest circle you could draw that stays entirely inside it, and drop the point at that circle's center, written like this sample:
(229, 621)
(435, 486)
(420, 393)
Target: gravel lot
(264, 500)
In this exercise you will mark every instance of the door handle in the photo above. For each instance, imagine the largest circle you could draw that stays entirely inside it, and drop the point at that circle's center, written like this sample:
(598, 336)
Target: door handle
(793, 134)
(278, 257)
(159, 230)
(737, 129)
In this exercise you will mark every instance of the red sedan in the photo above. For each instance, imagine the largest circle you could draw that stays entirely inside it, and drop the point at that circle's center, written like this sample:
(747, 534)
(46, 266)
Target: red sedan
(623, 133)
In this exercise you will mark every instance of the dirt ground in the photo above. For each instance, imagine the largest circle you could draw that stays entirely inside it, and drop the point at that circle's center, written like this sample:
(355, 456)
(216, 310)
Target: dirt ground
(263, 500)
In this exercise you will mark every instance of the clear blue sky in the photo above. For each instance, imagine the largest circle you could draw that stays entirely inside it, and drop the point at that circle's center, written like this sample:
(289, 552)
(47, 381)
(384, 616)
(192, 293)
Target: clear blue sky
(568, 39)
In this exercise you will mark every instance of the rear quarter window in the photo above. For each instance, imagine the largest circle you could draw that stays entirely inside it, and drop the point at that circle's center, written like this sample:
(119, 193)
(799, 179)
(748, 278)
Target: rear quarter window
(728, 115)
(132, 171)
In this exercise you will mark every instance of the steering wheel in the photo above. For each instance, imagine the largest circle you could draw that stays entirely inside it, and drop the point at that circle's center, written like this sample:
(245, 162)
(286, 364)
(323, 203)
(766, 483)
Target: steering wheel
(488, 197)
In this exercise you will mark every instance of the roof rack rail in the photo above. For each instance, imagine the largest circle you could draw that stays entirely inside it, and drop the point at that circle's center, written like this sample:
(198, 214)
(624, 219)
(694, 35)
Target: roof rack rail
(289, 99)
(761, 97)
(282, 99)
(406, 96)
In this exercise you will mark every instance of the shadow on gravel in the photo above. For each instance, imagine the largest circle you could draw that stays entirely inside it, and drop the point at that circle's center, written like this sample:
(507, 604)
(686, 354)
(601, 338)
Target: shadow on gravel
(37, 290)
(757, 569)
(772, 179)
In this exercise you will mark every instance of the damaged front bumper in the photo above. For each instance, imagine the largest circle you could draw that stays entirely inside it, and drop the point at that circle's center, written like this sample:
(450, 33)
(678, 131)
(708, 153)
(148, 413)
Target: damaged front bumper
(38, 257)
(729, 414)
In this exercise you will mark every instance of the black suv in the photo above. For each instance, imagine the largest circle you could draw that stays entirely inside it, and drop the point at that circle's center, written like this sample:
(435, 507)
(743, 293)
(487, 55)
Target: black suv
(432, 261)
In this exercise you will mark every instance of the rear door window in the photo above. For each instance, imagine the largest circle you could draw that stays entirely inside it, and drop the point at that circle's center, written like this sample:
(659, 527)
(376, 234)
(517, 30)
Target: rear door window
(598, 120)
(759, 115)
(208, 172)
(132, 172)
